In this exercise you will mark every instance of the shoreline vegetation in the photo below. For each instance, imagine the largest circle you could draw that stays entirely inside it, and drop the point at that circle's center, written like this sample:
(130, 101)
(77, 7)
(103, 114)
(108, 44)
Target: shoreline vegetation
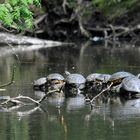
(69, 19)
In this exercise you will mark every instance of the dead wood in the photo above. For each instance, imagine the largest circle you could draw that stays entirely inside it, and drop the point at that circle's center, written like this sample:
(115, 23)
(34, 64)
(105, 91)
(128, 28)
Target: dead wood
(6, 38)
(17, 100)
(114, 32)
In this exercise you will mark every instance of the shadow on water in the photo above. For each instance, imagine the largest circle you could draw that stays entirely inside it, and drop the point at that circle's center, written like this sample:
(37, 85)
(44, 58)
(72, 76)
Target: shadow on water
(69, 118)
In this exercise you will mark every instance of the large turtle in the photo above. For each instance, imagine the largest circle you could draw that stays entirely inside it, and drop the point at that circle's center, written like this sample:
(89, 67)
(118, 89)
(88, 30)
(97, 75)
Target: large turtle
(117, 77)
(130, 86)
(103, 78)
(74, 83)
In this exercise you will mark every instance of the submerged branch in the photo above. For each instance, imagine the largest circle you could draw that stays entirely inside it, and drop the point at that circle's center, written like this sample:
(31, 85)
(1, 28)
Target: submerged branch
(12, 79)
(106, 89)
(45, 95)
(16, 101)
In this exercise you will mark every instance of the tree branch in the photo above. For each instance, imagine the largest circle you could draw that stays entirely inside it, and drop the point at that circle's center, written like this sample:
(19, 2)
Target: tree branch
(12, 79)
(101, 93)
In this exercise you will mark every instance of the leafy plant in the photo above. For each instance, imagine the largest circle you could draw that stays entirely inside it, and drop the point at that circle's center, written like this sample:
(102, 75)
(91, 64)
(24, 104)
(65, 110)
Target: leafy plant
(114, 8)
(17, 13)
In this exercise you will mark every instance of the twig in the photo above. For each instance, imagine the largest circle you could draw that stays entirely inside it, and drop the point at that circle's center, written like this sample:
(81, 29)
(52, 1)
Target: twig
(12, 79)
(64, 4)
(15, 100)
(12, 48)
(49, 92)
(26, 97)
(101, 93)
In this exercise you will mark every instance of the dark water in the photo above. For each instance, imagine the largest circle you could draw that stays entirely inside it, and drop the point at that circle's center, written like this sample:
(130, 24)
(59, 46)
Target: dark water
(74, 119)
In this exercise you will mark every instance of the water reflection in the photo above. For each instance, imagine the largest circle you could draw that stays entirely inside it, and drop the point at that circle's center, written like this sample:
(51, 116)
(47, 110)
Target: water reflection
(73, 119)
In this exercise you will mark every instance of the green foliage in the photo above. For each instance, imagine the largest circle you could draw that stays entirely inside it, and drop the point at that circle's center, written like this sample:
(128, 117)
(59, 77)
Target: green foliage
(17, 13)
(114, 8)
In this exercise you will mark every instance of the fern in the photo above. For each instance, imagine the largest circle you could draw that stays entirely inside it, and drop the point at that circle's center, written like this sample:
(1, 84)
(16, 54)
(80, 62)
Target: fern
(17, 13)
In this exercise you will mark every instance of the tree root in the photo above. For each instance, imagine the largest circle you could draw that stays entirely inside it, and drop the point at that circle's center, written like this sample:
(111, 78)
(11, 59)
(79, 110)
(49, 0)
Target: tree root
(64, 4)
(114, 32)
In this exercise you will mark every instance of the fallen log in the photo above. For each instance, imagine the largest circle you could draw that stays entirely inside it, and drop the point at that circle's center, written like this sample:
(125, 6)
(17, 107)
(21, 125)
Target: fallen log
(7, 38)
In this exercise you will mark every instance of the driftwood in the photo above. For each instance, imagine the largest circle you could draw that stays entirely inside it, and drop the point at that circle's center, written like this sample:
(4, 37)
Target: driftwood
(6, 38)
(95, 97)
(17, 100)
(114, 32)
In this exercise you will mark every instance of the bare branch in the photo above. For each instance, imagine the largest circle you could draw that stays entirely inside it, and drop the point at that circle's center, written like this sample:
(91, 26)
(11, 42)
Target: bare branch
(15, 100)
(45, 96)
(64, 4)
(101, 93)
(12, 79)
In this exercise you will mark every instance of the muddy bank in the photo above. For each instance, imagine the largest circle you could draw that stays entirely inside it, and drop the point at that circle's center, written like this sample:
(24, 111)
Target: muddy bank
(63, 21)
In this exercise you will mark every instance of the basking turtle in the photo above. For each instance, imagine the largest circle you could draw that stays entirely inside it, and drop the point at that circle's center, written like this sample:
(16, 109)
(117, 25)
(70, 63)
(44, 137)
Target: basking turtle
(131, 86)
(74, 83)
(117, 77)
(92, 77)
(91, 85)
(101, 81)
(39, 84)
(103, 78)
(54, 81)
(90, 80)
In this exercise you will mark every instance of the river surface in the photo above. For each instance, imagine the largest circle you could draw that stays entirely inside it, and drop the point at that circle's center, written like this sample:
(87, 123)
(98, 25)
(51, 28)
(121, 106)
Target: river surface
(71, 118)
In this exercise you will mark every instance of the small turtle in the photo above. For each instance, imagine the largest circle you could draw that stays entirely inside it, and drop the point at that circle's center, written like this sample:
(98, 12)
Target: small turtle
(130, 85)
(92, 77)
(101, 81)
(91, 86)
(74, 82)
(117, 77)
(39, 84)
(54, 81)
(103, 78)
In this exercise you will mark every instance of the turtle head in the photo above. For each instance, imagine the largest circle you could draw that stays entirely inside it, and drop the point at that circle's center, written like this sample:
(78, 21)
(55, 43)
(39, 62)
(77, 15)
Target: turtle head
(66, 73)
(138, 75)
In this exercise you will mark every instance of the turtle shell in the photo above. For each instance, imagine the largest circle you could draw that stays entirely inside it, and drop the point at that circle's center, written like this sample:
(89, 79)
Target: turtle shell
(92, 77)
(103, 77)
(131, 84)
(39, 83)
(55, 76)
(75, 79)
(119, 76)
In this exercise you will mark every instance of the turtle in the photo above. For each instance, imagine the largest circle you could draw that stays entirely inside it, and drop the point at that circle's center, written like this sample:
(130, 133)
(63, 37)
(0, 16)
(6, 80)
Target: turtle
(75, 83)
(103, 78)
(101, 81)
(130, 86)
(91, 86)
(39, 84)
(55, 81)
(117, 77)
(92, 77)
